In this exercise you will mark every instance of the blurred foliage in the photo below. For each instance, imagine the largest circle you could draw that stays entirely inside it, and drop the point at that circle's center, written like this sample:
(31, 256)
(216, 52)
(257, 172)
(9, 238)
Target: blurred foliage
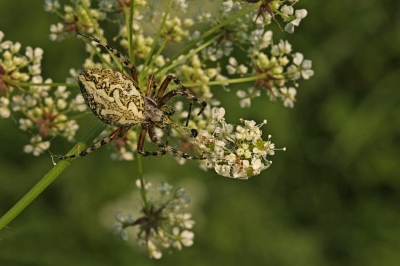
(333, 198)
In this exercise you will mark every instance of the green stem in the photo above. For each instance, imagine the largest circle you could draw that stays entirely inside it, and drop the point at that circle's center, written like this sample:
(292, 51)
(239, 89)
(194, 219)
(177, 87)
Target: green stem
(128, 25)
(150, 66)
(94, 23)
(228, 81)
(142, 183)
(48, 178)
(162, 24)
(26, 84)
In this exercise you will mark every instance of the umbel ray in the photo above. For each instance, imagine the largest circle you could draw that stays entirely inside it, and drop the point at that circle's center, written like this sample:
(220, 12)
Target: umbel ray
(118, 101)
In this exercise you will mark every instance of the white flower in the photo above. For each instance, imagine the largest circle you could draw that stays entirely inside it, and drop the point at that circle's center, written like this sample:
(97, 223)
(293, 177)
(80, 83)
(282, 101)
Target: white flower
(15, 47)
(4, 110)
(184, 220)
(61, 104)
(51, 5)
(266, 39)
(305, 65)
(298, 58)
(285, 47)
(123, 154)
(154, 252)
(78, 104)
(219, 149)
(256, 164)
(37, 146)
(269, 147)
(233, 67)
(184, 238)
(25, 124)
(299, 15)
(227, 5)
(147, 185)
(203, 16)
(239, 170)
(34, 55)
(224, 170)
(230, 158)
(260, 39)
(159, 61)
(180, 5)
(245, 101)
(187, 238)
(70, 130)
(287, 10)
(288, 96)
(218, 114)
(61, 92)
(56, 32)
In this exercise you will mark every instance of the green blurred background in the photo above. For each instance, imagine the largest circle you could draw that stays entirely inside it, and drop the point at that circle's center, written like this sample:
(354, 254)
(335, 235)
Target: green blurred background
(333, 198)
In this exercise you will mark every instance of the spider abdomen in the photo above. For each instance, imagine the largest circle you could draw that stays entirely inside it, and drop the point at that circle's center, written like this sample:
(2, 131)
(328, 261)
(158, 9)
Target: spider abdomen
(113, 97)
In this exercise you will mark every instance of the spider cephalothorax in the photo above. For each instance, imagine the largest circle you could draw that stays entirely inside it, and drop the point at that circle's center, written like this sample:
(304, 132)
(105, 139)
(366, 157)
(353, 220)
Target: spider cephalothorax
(118, 101)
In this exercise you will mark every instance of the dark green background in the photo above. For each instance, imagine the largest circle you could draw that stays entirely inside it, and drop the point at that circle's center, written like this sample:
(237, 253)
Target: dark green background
(331, 199)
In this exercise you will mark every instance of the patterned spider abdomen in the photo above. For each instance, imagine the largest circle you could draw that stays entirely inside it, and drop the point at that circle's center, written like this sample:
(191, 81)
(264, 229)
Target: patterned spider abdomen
(113, 97)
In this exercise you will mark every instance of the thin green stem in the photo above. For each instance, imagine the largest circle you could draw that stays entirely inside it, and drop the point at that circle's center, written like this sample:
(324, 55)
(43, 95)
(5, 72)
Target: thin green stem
(26, 84)
(128, 25)
(142, 183)
(157, 54)
(160, 28)
(94, 23)
(228, 81)
(48, 178)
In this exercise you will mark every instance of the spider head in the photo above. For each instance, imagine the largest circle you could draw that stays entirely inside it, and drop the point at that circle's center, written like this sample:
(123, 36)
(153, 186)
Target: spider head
(152, 111)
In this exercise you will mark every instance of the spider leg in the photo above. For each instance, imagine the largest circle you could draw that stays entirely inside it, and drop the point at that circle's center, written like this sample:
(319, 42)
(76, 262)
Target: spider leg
(187, 95)
(151, 85)
(153, 138)
(118, 133)
(166, 147)
(183, 92)
(121, 58)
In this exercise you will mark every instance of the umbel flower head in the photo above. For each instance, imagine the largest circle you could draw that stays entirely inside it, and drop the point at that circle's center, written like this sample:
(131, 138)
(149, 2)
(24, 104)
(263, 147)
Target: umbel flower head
(235, 151)
(44, 109)
(162, 222)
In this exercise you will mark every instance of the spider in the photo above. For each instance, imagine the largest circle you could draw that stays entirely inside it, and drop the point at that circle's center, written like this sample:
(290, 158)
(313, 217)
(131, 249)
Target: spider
(118, 101)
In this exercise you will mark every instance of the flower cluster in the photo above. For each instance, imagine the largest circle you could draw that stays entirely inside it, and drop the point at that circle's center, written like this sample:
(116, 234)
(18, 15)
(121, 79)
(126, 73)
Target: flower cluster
(77, 17)
(235, 151)
(16, 68)
(43, 111)
(277, 7)
(47, 114)
(162, 223)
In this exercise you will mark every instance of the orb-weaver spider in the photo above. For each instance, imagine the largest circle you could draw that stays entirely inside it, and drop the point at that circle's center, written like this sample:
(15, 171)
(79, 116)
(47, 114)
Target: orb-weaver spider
(118, 101)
